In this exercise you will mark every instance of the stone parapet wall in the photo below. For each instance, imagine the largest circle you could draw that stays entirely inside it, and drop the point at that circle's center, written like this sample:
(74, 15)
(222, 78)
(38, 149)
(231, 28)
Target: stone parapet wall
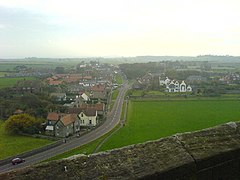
(212, 153)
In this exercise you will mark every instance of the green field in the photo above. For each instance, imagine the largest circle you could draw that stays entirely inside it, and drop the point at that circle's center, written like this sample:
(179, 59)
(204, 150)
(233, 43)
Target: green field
(12, 144)
(9, 82)
(115, 94)
(52, 64)
(2, 74)
(118, 78)
(150, 120)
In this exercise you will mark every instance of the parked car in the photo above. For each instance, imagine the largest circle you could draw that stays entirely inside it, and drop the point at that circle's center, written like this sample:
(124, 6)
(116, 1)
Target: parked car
(17, 161)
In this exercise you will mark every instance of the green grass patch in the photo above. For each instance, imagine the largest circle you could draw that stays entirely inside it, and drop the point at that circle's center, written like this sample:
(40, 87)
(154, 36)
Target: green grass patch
(123, 110)
(137, 92)
(118, 79)
(9, 82)
(115, 94)
(11, 145)
(52, 64)
(111, 105)
(2, 74)
(155, 93)
(150, 120)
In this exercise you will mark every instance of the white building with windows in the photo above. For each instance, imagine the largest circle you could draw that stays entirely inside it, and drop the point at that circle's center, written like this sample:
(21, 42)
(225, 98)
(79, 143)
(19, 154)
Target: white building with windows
(174, 86)
(88, 117)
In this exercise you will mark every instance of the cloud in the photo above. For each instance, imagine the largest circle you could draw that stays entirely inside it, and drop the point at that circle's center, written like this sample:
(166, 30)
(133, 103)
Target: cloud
(2, 26)
(121, 27)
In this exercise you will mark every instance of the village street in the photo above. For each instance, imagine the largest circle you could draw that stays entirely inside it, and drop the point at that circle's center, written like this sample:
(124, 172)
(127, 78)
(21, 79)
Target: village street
(112, 120)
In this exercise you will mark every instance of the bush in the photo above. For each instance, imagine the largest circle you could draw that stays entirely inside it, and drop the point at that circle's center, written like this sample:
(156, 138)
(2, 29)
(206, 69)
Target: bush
(22, 123)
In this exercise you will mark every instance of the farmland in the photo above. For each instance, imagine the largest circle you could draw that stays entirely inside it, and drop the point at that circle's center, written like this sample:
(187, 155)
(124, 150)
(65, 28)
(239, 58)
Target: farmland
(14, 144)
(51, 64)
(150, 120)
(9, 82)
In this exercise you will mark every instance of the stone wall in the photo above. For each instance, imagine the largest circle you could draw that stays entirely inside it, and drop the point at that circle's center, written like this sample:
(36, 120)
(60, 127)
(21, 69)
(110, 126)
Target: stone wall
(212, 153)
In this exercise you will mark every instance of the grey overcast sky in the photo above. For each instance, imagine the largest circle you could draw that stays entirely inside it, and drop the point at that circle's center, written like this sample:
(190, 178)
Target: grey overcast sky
(76, 28)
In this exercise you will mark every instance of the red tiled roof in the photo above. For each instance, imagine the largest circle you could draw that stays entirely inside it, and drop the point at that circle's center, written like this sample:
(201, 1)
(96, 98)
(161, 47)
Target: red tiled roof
(98, 88)
(53, 116)
(98, 106)
(68, 119)
(51, 82)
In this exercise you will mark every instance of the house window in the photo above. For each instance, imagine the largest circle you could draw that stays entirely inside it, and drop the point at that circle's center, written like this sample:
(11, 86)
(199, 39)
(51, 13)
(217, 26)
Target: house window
(82, 121)
(90, 121)
(81, 115)
(49, 122)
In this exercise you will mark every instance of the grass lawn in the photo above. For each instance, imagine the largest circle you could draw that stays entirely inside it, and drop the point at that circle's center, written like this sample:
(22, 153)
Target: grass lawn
(2, 74)
(13, 144)
(8, 82)
(114, 97)
(150, 120)
(52, 64)
(118, 78)
(115, 94)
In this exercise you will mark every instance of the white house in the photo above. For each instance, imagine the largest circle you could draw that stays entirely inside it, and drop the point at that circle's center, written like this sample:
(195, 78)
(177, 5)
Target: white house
(88, 117)
(183, 87)
(85, 97)
(174, 86)
(164, 81)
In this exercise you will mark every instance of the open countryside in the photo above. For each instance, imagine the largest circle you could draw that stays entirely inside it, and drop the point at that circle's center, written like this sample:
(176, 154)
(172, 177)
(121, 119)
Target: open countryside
(9, 82)
(150, 120)
(156, 105)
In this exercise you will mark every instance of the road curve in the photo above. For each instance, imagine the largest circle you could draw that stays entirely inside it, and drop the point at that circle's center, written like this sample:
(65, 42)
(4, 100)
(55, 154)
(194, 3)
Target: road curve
(112, 120)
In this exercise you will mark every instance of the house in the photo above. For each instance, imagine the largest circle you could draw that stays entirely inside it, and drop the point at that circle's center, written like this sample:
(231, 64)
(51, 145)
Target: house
(54, 82)
(99, 107)
(85, 97)
(52, 119)
(88, 117)
(62, 125)
(98, 92)
(174, 86)
(164, 81)
(67, 125)
(78, 101)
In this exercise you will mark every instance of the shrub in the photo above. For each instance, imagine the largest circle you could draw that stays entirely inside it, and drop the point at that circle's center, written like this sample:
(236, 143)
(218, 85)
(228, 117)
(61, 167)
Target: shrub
(22, 123)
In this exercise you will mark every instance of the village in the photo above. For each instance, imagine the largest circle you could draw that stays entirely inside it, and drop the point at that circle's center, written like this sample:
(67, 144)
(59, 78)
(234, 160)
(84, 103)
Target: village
(79, 99)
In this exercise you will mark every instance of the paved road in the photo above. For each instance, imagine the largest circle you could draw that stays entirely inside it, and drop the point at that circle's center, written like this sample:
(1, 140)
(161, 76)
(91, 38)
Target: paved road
(111, 121)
